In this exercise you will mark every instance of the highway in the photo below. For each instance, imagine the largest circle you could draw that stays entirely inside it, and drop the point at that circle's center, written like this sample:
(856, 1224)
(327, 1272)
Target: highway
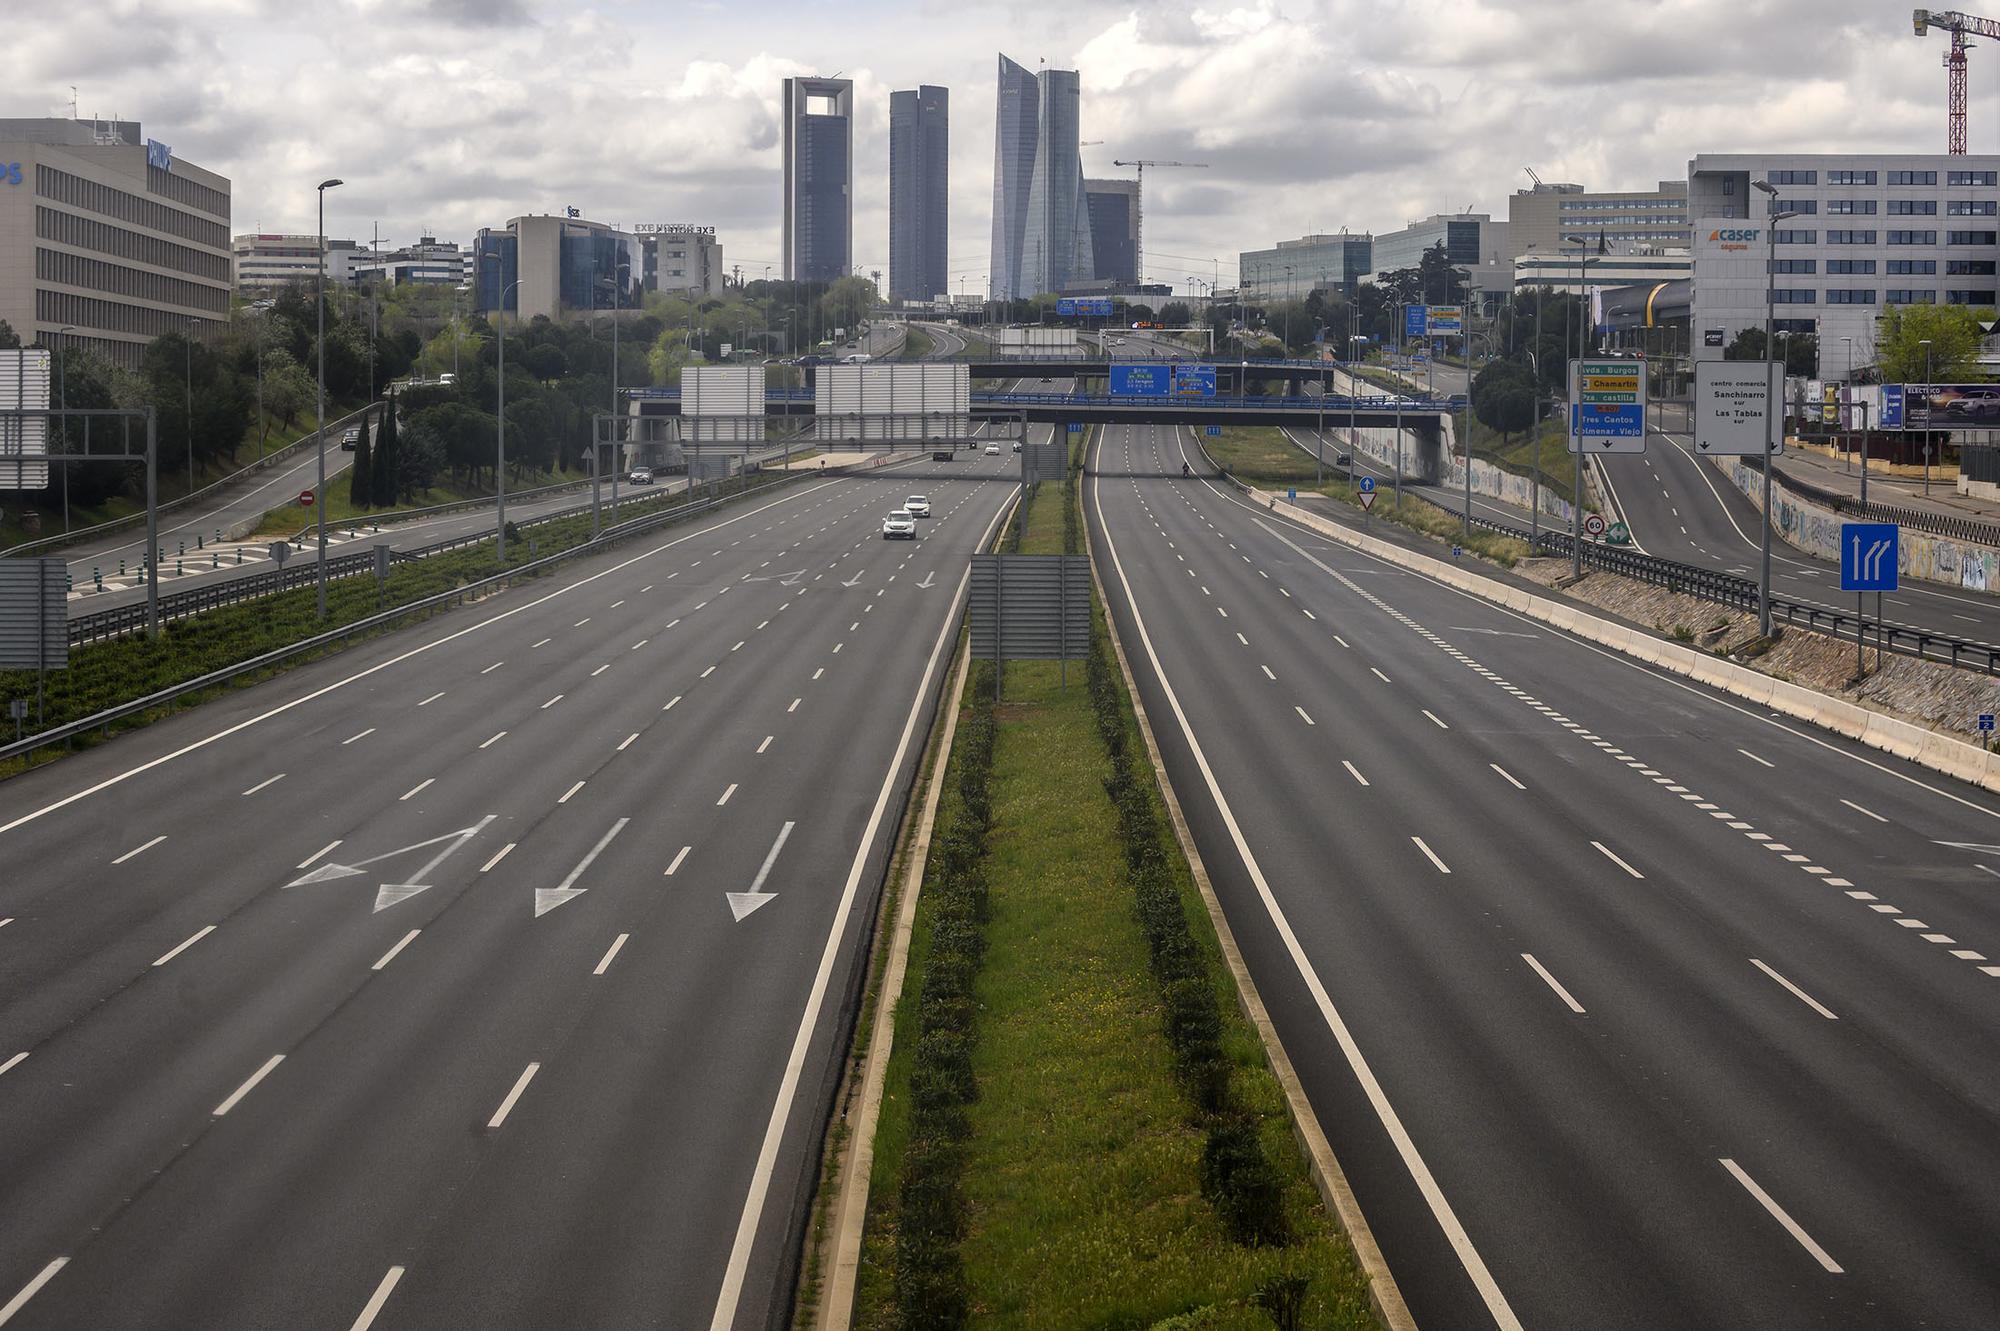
(1624, 1004)
(494, 973)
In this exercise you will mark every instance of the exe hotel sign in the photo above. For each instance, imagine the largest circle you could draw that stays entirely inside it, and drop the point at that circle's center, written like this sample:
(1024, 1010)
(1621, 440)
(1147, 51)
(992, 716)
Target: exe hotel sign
(671, 228)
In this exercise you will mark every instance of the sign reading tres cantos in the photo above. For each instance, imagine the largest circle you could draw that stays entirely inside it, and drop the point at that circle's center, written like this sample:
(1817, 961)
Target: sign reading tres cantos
(1607, 405)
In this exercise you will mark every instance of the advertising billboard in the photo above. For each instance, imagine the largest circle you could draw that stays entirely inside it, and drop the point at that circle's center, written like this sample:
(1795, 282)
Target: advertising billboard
(1948, 406)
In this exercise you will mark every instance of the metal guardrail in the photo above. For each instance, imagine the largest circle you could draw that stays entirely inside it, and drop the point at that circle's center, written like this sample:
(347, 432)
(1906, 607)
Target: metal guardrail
(1938, 524)
(436, 510)
(496, 582)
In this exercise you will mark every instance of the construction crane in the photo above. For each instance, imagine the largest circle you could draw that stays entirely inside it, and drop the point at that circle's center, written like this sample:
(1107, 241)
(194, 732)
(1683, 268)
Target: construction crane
(1958, 25)
(1139, 257)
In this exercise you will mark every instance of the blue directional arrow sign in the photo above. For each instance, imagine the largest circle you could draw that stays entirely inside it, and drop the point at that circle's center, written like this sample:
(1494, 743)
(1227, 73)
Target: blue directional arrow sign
(1868, 556)
(1367, 485)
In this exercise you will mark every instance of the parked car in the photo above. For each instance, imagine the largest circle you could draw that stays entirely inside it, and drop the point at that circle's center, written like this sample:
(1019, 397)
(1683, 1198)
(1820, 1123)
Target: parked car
(899, 526)
(641, 476)
(918, 506)
(351, 440)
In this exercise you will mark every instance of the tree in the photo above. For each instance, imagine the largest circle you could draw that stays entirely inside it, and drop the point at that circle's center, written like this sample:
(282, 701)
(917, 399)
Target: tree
(1800, 350)
(9, 339)
(1503, 397)
(288, 390)
(547, 362)
(383, 470)
(846, 300)
(1176, 314)
(1953, 354)
(360, 477)
(420, 457)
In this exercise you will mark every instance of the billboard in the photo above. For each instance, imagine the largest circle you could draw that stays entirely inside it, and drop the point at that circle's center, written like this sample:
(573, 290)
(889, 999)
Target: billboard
(1892, 407)
(1091, 306)
(1947, 406)
(1177, 379)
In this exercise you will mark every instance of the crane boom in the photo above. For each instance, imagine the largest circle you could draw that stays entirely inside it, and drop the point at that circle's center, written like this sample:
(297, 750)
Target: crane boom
(1958, 25)
(1138, 257)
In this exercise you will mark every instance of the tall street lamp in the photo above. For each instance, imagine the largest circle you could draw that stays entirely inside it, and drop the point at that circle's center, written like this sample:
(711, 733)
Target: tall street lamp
(62, 408)
(500, 449)
(1930, 402)
(1770, 407)
(187, 346)
(319, 490)
(1575, 417)
(1848, 388)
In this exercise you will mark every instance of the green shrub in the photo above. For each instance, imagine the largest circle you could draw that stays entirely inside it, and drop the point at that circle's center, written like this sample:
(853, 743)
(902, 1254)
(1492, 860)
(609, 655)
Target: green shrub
(1239, 1180)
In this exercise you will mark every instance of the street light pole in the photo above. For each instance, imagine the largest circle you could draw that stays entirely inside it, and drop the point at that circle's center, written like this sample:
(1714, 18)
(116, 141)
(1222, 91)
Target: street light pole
(500, 454)
(1771, 408)
(319, 490)
(1575, 443)
(62, 407)
(1535, 362)
(1930, 405)
(187, 345)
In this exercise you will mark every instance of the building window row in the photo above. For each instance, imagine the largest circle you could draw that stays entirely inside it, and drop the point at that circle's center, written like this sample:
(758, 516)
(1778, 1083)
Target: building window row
(1911, 267)
(1912, 208)
(87, 233)
(1970, 267)
(1795, 265)
(1793, 296)
(1803, 207)
(1781, 236)
(1849, 237)
(1793, 177)
(60, 307)
(1909, 296)
(1850, 177)
(1850, 296)
(1851, 266)
(1972, 177)
(1972, 237)
(1971, 207)
(1913, 177)
(182, 190)
(76, 270)
(1912, 237)
(1855, 207)
(102, 199)
(1976, 296)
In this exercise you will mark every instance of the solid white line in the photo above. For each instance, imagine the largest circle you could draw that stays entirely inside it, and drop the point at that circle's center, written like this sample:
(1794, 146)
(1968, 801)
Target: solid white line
(507, 1105)
(433, 698)
(414, 789)
(1870, 812)
(29, 1290)
(498, 736)
(1431, 855)
(201, 934)
(1507, 775)
(13, 1062)
(1754, 758)
(1379, 675)
(1778, 1214)
(139, 849)
(1302, 715)
(1433, 716)
(571, 791)
(726, 794)
(610, 953)
(1354, 771)
(390, 955)
(498, 856)
(1554, 983)
(1796, 992)
(363, 735)
(306, 863)
(677, 860)
(248, 1086)
(1406, 1148)
(1610, 855)
(268, 781)
(373, 1308)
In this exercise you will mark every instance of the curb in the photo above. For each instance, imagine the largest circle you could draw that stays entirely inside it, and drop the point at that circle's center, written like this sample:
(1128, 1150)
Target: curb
(1384, 1297)
(850, 1205)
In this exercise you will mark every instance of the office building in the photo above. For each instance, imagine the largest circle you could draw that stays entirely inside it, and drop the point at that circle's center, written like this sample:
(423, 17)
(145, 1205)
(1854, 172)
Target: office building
(819, 179)
(1115, 220)
(1872, 232)
(1041, 220)
(1539, 218)
(679, 257)
(552, 267)
(1619, 266)
(1294, 269)
(429, 262)
(263, 262)
(109, 234)
(1471, 240)
(919, 194)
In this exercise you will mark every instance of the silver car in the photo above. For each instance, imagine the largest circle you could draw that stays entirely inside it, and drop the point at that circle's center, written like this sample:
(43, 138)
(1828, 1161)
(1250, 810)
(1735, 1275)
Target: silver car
(899, 526)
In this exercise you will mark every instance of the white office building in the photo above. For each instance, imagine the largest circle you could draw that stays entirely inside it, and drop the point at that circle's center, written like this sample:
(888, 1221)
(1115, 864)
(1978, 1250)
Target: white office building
(1872, 231)
(1624, 266)
(264, 262)
(1472, 241)
(429, 262)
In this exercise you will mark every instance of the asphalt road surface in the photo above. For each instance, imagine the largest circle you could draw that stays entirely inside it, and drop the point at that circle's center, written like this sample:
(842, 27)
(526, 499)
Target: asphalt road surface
(490, 974)
(1624, 1004)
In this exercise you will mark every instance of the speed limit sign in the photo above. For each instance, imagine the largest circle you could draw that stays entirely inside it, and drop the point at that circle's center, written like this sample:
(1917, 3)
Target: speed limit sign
(1593, 526)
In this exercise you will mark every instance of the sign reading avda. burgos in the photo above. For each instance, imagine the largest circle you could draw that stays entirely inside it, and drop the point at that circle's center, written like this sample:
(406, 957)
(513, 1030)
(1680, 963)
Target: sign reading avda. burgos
(1607, 402)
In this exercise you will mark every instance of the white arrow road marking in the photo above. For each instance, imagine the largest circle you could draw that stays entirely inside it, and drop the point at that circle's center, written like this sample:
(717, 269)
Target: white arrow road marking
(929, 579)
(388, 894)
(548, 898)
(1973, 846)
(742, 903)
(855, 579)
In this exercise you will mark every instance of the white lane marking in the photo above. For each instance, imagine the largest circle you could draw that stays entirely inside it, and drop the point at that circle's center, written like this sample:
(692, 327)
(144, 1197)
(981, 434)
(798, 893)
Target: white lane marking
(1612, 855)
(236, 1095)
(1267, 672)
(507, 1105)
(670, 703)
(543, 643)
(363, 735)
(33, 1287)
(1342, 641)
(1778, 1213)
(817, 673)
(13, 1062)
(1754, 758)
(571, 791)
(610, 954)
(1434, 721)
(711, 670)
(1431, 855)
(416, 789)
(627, 741)
(1507, 776)
(552, 702)
(497, 737)
(1553, 983)
(267, 781)
(498, 856)
(1240, 638)
(1302, 715)
(373, 1308)
(766, 744)
(737, 648)
(140, 850)
(307, 862)
(490, 669)
(726, 794)
(401, 943)
(683, 854)
(200, 934)
(1354, 771)
(433, 698)
(586, 619)
(1379, 675)
(600, 670)
(1870, 812)
(795, 705)
(641, 643)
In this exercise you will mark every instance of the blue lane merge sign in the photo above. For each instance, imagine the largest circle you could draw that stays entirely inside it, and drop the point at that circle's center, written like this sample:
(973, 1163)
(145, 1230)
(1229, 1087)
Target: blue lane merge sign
(1076, 427)
(1367, 485)
(1212, 431)
(1868, 553)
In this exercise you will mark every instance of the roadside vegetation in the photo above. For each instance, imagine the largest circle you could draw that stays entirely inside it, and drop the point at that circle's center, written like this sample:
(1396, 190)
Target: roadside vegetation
(917, 344)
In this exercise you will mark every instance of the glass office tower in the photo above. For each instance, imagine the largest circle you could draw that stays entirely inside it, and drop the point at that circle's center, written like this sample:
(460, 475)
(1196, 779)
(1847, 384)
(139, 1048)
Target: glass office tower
(919, 200)
(819, 179)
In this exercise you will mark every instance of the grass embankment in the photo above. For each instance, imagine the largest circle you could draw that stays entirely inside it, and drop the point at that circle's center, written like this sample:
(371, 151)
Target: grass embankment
(1260, 455)
(105, 674)
(288, 519)
(917, 344)
(1079, 1127)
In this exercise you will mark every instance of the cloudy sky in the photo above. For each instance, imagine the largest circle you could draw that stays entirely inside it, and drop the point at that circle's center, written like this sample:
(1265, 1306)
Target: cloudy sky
(446, 115)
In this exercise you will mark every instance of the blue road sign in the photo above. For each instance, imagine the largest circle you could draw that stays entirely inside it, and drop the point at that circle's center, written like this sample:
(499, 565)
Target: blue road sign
(1070, 306)
(1076, 427)
(1368, 485)
(1194, 380)
(1292, 492)
(1139, 380)
(1212, 431)
(1868, 556)
(1892, 407)
(1416, 319)
(1986, 722)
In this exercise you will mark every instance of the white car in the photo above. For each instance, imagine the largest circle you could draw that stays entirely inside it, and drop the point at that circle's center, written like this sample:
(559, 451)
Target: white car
(641, 476)
(917, 506)
(899, 526)
(993, 450)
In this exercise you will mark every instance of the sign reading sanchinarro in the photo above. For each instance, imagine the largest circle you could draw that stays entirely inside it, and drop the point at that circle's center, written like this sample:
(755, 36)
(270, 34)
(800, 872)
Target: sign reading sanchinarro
(1607, 405)
(1732, 405)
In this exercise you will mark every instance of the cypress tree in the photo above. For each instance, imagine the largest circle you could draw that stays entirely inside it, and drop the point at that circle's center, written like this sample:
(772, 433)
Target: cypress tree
(361, 477)
(386, 458)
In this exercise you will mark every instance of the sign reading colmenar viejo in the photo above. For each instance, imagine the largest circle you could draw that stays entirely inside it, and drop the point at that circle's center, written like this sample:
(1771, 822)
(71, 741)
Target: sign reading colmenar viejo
(649, 228)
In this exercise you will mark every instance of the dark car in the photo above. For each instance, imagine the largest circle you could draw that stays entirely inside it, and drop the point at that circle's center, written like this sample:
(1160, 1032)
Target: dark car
(941, 455)
(351, 440)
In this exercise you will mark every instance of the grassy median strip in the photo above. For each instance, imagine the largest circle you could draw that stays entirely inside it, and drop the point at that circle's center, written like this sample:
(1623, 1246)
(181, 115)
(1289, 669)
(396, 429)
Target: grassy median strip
(1079, 1127)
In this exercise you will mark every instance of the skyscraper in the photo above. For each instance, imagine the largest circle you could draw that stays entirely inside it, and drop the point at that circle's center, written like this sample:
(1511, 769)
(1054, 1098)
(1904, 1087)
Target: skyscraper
(819, 179)
(1041, 221)
(1114, 229)
(919, 164)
